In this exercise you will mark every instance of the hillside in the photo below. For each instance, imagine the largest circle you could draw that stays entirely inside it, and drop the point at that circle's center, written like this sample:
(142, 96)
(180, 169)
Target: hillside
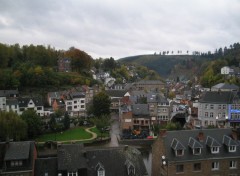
(169, 66)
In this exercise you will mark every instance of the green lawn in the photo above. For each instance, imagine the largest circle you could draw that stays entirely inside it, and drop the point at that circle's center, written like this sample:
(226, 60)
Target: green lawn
(104, 134)
(71, 134)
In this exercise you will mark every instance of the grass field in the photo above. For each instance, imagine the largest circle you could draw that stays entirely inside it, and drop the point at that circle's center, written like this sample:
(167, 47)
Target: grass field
(104, 134)
(78, 133)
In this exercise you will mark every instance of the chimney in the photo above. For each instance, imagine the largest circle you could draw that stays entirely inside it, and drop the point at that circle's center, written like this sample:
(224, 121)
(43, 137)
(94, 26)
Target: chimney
(163, 133)
(200, 136)
(235, 134)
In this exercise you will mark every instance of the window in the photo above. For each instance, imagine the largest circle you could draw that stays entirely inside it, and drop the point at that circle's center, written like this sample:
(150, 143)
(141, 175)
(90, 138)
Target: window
(82, 101)
(75, 107)
(75, 102)
(215, 149)
(211, 114)
(72, 174)
(197, 151)
(211, 106)
(206, 106)
(39, 108)
(215, 165)
(219, 106)
(16, 163)
(224, 106)
(233, 164)
(179, 168)
(196, 166)
(232, 148)
(179, 152)
(206, 114)
(82, 106)
(101, 173)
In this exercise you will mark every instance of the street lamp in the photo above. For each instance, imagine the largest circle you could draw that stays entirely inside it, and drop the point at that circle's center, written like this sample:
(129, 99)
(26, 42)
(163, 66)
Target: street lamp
(164, 163)
(216, 121)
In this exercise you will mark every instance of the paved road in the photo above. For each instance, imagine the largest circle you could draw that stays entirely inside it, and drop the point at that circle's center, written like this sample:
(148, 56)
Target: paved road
(114, 132)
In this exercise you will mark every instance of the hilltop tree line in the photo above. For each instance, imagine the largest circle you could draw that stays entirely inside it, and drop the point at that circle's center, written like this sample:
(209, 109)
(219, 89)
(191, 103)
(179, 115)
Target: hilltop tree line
(211, 71)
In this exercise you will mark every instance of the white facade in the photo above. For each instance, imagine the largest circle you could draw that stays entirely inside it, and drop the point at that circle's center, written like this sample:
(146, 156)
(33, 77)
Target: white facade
(76, 106)
(2, 103)
(226, 70)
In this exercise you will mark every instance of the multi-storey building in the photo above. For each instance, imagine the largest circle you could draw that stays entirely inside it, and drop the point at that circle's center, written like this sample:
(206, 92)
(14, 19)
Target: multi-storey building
(7, 94)
(196, 153)
(218, 109)
(149, 85)
(75, 104)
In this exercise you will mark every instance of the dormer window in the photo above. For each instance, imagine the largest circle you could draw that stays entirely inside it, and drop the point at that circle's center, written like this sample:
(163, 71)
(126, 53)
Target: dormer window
(72, 174)
(100, 169)
(130, 168)
(178, 147)
(179, 152)
(195, 145)
(232, 148)
(215, 149)
(197, 151)
(213, 144)
(230, 143)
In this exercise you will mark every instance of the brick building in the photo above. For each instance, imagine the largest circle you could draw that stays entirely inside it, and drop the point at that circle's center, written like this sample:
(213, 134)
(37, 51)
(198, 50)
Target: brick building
(197, 152)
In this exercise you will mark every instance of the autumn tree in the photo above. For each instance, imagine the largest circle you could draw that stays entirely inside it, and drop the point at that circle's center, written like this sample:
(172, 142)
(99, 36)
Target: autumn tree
(79, 59)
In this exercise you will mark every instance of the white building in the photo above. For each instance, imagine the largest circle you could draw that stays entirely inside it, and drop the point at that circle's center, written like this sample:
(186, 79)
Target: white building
(75, 104)
(226, 70)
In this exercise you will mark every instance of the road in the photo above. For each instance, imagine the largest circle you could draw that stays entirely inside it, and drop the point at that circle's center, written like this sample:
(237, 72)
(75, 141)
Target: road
(114, 132)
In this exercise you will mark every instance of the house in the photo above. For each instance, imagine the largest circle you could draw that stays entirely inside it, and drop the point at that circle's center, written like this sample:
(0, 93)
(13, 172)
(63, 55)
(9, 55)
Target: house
(226, 70)
(34, 103)
(64, 65)
(19, 158)
(76, 160)
(196, 153)
(159, 108)
(7, 94)
(115, 96)
(141, 117)
(219, 109)
(51, 96)
(75, 104)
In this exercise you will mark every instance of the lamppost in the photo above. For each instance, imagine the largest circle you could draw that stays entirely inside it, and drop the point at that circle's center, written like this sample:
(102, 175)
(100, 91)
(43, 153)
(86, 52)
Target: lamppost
(164, 165)
(217, 121)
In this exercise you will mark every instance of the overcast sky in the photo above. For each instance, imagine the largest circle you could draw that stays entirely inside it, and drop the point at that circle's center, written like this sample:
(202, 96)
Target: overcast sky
(120, 28)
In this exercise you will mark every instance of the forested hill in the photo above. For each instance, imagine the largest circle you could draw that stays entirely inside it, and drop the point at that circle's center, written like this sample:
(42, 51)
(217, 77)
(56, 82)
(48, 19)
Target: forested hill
(167, 65)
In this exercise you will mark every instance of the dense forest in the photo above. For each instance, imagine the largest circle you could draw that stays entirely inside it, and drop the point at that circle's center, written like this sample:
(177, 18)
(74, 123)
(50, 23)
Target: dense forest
(36, 66)
(29, 67)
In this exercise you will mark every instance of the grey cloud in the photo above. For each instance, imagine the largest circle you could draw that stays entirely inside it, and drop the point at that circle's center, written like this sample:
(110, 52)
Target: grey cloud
(121, 28)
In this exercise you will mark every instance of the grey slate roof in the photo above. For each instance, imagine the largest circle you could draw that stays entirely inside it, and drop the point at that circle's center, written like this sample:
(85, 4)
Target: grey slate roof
(217, 97)
(116, 160)
(176, 145)
(12, 101)
(211, 142)
(183, 136)
(228, 141)
(23, 102)
(46, 165)
(17, 150)
(193, 143)
(7, 93)
(71, 157)
(140, 109)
